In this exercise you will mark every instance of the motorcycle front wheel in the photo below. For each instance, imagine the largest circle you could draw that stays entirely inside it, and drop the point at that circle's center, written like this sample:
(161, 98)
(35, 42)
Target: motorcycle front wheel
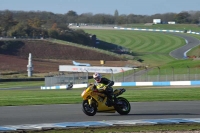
(124, 107)
(89, 110)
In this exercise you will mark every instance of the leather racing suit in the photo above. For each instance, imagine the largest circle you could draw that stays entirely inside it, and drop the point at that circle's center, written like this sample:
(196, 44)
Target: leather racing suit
(106, 84)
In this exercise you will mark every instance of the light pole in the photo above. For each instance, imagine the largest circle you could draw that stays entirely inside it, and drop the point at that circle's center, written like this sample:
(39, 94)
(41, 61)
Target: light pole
(87, 76)
(173, 73)
(158, 73)
(188, 71)
(134, 74)
(111, 74)
(123, 74)
(146, 73)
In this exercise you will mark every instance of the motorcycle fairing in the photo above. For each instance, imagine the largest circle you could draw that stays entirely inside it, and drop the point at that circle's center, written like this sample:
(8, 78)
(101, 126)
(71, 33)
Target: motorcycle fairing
(101, 107)
(100, 98)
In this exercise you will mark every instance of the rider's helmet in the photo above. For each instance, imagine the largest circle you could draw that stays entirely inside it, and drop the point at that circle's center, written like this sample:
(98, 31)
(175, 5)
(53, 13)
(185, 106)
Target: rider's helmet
(97, 77)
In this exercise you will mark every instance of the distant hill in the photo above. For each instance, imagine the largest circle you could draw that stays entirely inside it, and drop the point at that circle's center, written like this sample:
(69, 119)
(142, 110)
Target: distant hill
(48, 56)
(46, 50)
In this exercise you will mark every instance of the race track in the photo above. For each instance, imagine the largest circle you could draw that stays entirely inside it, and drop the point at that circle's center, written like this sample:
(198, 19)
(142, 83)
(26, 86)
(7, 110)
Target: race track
(191, 42)
(38, 114)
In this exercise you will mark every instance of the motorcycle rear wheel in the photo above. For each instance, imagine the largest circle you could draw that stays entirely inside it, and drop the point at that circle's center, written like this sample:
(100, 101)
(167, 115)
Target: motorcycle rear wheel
(124, 108)
(89, 110)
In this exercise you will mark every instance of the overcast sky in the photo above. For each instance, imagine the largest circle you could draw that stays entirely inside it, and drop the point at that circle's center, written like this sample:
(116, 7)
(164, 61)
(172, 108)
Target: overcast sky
(139, 7)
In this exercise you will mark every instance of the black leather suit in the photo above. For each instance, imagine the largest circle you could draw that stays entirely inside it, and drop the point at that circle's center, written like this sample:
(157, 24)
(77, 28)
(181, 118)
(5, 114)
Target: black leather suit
(108, 90)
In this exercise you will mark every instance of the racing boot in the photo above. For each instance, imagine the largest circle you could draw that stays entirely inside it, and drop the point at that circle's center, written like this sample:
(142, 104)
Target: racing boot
(109, 101)
(109, 93)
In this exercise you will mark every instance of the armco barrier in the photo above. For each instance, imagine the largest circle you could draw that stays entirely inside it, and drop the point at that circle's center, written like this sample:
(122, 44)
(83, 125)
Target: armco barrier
(162, 83)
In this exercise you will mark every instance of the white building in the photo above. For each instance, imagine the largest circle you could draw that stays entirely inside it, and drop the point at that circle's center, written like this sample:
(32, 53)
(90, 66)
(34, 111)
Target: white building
(157, 21)
(171, 22)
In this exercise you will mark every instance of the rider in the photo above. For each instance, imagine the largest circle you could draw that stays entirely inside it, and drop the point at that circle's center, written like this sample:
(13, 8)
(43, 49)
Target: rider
(105, 84)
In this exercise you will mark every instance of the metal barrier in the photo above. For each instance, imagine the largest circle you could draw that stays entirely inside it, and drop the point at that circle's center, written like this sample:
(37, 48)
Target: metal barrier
(145, 75)
(75, 78)
(143, 78)
(157, 74)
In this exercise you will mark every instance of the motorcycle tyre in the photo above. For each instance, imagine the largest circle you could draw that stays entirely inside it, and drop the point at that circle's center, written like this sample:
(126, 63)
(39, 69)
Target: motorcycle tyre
(119, 109)
(86, 112)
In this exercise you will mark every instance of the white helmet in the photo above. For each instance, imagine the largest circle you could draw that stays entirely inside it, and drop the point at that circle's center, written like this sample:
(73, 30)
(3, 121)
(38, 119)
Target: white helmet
(97, 77)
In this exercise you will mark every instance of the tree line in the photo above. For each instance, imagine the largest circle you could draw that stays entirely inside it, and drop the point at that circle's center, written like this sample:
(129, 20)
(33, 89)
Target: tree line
(37, 24)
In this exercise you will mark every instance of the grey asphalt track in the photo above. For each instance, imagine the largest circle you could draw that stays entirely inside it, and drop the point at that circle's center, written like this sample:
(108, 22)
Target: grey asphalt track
(191, 43)
(38, 114)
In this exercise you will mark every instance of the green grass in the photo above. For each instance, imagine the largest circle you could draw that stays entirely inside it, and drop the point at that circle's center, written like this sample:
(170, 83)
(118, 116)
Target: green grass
(179, 67)
(195, 51)
(152, 47)
(133, 94)
(21, 84)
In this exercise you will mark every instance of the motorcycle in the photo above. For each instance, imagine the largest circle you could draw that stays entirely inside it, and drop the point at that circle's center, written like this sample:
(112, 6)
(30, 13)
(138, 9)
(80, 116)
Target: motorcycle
(69, 86)
(95, 101)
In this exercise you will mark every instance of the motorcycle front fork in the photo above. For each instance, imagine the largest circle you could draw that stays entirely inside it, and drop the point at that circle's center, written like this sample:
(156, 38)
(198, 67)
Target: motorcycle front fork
(90, 101)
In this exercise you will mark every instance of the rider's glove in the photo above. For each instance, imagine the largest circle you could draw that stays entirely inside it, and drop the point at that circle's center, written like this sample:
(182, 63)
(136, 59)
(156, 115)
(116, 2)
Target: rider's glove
(105, 87)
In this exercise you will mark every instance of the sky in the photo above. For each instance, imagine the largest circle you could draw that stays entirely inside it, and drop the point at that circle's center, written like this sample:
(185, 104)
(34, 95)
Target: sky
(137, 7)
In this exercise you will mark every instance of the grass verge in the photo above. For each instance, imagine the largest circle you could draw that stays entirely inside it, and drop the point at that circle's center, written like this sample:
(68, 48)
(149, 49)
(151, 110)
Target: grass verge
(21, 84)
(16, 97)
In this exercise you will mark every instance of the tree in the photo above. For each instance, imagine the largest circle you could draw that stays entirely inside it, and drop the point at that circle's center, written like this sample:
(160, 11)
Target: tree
(53, 33)
(131, 18)
(116, 15)
(72, 13)
(195, 17)
(84, 18)
(122, 19)
(54, 26)
(182, 17)
(71, 16)
(7, 22)
(19, 30)
(35, 22)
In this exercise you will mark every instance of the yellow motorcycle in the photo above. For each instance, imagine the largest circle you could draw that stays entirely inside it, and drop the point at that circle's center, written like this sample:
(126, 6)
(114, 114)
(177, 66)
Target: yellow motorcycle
(95, 101)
